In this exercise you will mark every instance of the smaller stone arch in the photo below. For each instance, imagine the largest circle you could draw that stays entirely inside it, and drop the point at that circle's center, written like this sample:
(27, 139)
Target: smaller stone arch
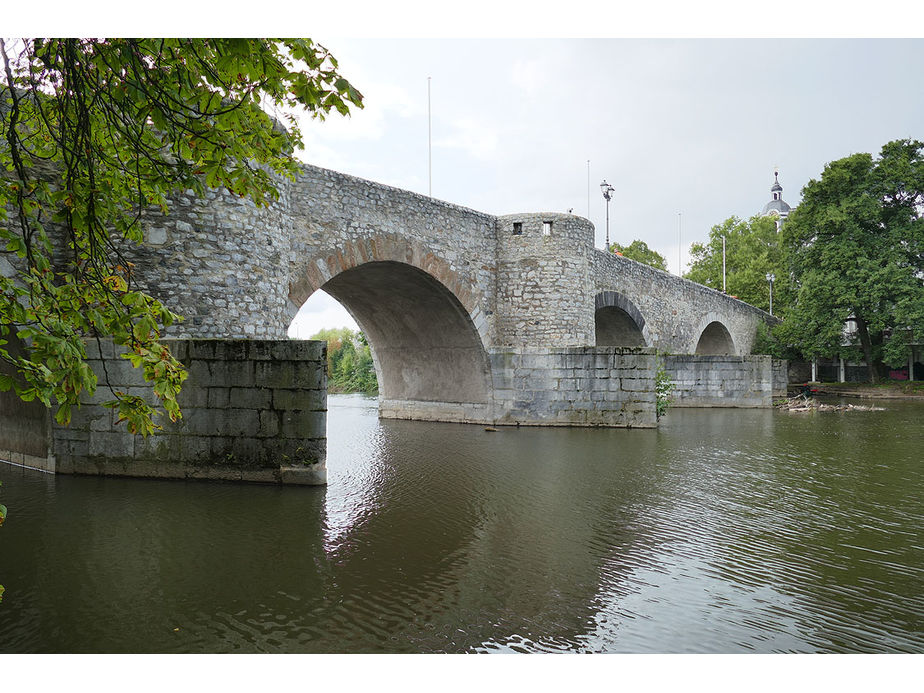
(714, 337)
(617, 321)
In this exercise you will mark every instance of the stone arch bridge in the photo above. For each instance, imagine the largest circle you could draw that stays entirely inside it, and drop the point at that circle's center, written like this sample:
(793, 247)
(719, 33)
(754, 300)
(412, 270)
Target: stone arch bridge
(471, 317)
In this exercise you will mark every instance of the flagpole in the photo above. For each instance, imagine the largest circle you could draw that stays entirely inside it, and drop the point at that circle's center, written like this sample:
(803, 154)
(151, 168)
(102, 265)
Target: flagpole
(429, 143)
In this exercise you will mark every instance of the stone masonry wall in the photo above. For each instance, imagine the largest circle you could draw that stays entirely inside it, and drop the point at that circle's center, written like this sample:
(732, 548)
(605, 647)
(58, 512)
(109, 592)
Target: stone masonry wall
(578, 386)
(564, 386)
(780, 370)
(544, 294)
(339, 222)
(253, 410)
(221, 262)
(720, 381)
(24, 426)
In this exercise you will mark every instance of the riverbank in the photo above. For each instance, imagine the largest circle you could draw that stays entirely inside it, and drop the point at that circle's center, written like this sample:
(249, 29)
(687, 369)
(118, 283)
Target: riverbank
(892, 389)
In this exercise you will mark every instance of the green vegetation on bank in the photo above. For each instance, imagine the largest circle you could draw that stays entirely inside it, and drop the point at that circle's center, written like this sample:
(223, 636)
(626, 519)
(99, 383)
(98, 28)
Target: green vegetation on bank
(349, 361)
(855, 250)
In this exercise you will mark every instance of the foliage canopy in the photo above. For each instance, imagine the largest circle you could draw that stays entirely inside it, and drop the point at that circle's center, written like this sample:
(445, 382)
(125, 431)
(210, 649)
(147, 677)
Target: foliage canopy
(855, 246)
(349, 361)
(752, 251)
(640, 252)
(94, 132)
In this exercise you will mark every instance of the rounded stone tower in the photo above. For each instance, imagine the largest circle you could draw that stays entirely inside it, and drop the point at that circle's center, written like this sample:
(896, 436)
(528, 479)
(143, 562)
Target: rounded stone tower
(543, 280)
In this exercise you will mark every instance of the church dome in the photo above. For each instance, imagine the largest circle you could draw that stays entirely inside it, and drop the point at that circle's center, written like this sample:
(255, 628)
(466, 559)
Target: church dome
(778, 207)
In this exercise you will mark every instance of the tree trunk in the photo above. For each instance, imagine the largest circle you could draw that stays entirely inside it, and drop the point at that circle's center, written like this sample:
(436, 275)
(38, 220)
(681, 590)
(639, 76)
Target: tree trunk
(867, 346)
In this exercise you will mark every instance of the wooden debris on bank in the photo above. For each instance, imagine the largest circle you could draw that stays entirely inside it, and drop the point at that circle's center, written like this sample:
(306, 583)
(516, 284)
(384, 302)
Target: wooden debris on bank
(800, 403)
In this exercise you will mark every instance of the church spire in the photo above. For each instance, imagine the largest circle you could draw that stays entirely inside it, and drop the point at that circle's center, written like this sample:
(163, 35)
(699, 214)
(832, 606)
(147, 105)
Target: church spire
(776, 207)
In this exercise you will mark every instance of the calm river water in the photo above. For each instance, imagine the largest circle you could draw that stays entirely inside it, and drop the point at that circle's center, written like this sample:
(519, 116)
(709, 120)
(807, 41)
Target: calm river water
(722, 531)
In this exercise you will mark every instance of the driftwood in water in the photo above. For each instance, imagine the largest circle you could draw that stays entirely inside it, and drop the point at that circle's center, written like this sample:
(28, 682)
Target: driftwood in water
(800, 403)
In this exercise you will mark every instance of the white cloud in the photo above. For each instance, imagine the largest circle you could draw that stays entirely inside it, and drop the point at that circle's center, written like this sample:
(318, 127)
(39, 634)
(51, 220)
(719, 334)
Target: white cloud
(477, 138)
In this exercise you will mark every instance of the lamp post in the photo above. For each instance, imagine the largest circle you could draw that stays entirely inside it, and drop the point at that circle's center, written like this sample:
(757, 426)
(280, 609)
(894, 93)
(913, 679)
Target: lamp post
(770, 278)
(607, 191)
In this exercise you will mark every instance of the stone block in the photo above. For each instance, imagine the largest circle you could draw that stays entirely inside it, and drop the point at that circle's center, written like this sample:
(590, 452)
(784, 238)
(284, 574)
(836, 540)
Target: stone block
(637, 385)
(194, 450)
(261, 476)
(314, 400)
(192, 396)
(309, 475)
(199, 374)
(213, 473)
(274, 375)
(232, 373)
(111, 444)
(161, 447)
(96, 418)
(251, 453)
(219, 349)
(303, 424)
(310, 376)
(269, 423)
(219, 397)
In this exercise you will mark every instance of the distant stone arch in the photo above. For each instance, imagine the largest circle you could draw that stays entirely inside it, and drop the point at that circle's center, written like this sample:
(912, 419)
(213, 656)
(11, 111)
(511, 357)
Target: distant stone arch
(715, 339)
(617, 321)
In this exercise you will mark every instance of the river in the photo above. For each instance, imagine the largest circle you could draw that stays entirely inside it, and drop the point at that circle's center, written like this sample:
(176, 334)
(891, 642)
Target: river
(722, 531)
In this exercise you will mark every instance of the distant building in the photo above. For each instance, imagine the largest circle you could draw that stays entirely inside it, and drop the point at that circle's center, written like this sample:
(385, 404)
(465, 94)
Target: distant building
(776, 207)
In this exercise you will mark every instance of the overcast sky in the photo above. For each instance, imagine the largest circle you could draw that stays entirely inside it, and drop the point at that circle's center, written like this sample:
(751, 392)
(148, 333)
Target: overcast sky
(694, 127)
(677, 125)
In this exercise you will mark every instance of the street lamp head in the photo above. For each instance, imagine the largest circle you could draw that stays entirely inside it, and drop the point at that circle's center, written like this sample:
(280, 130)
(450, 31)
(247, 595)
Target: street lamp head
(771, 277)
(607, 190)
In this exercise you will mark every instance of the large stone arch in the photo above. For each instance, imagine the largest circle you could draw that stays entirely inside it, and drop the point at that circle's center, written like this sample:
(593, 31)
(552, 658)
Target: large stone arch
(617, 321)
(713, 337)
(422, 320)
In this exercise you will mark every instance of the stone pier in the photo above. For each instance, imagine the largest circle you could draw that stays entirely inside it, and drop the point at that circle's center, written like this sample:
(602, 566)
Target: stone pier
(253, 410)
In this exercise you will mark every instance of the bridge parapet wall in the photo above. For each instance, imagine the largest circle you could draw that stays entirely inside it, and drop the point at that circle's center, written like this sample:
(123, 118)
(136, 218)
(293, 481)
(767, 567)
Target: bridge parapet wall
(675, 309)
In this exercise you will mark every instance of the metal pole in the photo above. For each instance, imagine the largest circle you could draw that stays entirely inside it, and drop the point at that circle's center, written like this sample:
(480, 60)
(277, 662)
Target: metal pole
(723, 265)
(429, 142)
(911, 363)
(588, 188)
(770, 278)
(679, 243)
(607, 225)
